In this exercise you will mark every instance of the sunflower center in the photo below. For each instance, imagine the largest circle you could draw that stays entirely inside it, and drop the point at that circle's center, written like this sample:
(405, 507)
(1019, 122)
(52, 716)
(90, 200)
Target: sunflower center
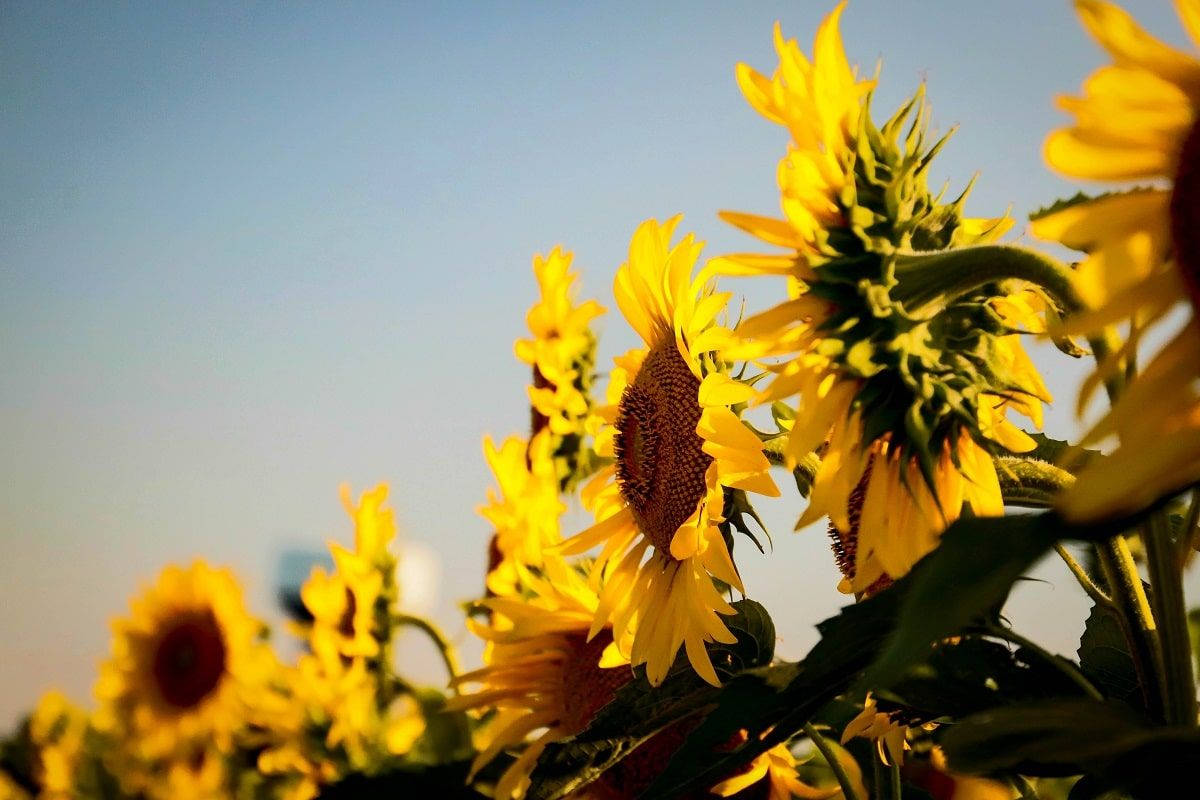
(586, 686)
(1185, 215)
(190, 659)
(660, 460)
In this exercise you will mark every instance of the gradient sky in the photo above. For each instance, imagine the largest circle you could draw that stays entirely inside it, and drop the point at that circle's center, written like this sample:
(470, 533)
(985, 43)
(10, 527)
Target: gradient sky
(249, 253)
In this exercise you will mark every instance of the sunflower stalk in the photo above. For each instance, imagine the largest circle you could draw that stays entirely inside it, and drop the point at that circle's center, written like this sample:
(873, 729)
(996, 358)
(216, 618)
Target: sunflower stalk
(835, 764)
(1085, 581)
(444, 648)
(1166, 579)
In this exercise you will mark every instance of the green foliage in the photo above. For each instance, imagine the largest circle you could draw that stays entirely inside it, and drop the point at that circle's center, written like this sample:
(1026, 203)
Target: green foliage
(447, 737)
(1105, 659)
(1111, 745)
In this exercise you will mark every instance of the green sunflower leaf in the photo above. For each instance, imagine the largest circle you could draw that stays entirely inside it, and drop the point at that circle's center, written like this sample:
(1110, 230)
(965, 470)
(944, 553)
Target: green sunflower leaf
(1105, 659)
(869, 645)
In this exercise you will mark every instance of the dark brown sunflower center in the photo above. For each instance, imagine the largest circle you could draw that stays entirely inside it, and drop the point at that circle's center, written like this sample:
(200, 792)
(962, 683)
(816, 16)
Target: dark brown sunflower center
(660, 460)
(189, 661)
(1185, 215)
(587, 687)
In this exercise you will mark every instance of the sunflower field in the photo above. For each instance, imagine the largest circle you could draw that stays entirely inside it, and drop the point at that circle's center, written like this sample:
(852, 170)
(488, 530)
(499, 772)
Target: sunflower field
(886, 393)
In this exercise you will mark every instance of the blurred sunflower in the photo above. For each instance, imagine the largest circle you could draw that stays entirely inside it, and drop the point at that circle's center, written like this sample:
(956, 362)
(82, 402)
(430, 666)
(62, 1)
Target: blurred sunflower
(338, 710)
(678, 447)
(184, 669)
(902, 382)
(1137, 120)
(524, 511)
(562, 352)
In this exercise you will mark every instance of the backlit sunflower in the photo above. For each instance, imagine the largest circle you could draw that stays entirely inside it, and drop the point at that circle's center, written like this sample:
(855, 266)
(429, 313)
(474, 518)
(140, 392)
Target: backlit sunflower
(678, 448)
(1136, 121)
(524, 511)
(542, 671)
(184, 670)
(901, 384)
(562, 352)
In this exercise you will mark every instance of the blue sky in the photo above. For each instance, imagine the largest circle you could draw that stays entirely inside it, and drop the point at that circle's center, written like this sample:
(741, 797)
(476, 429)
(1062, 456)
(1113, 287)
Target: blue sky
(250, 253)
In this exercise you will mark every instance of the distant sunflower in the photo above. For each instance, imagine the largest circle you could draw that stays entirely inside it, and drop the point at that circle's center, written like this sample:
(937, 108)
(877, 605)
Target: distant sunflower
(562, 353)
(1137, 120)
(677, 446)
(184, 669)
(338, 710)
(562, 346)
(902, 391)
(542, 671)
(524, 510)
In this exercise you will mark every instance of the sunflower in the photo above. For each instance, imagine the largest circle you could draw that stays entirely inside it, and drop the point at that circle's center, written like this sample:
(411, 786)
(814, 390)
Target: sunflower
(524, 511)
(901, 387)
(561, 352)
(677, 448)
(1137, 121)
(542, 671)
(185, 668)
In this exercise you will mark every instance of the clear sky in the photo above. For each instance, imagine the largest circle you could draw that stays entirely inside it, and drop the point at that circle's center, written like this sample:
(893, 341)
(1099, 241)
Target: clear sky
(249, 252)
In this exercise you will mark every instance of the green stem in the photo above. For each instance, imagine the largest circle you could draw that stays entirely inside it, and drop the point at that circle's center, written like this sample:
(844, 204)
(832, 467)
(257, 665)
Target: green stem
(1166, 578)
(444, 648)
(834, 762)
(1067, 668)
(897, 792)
